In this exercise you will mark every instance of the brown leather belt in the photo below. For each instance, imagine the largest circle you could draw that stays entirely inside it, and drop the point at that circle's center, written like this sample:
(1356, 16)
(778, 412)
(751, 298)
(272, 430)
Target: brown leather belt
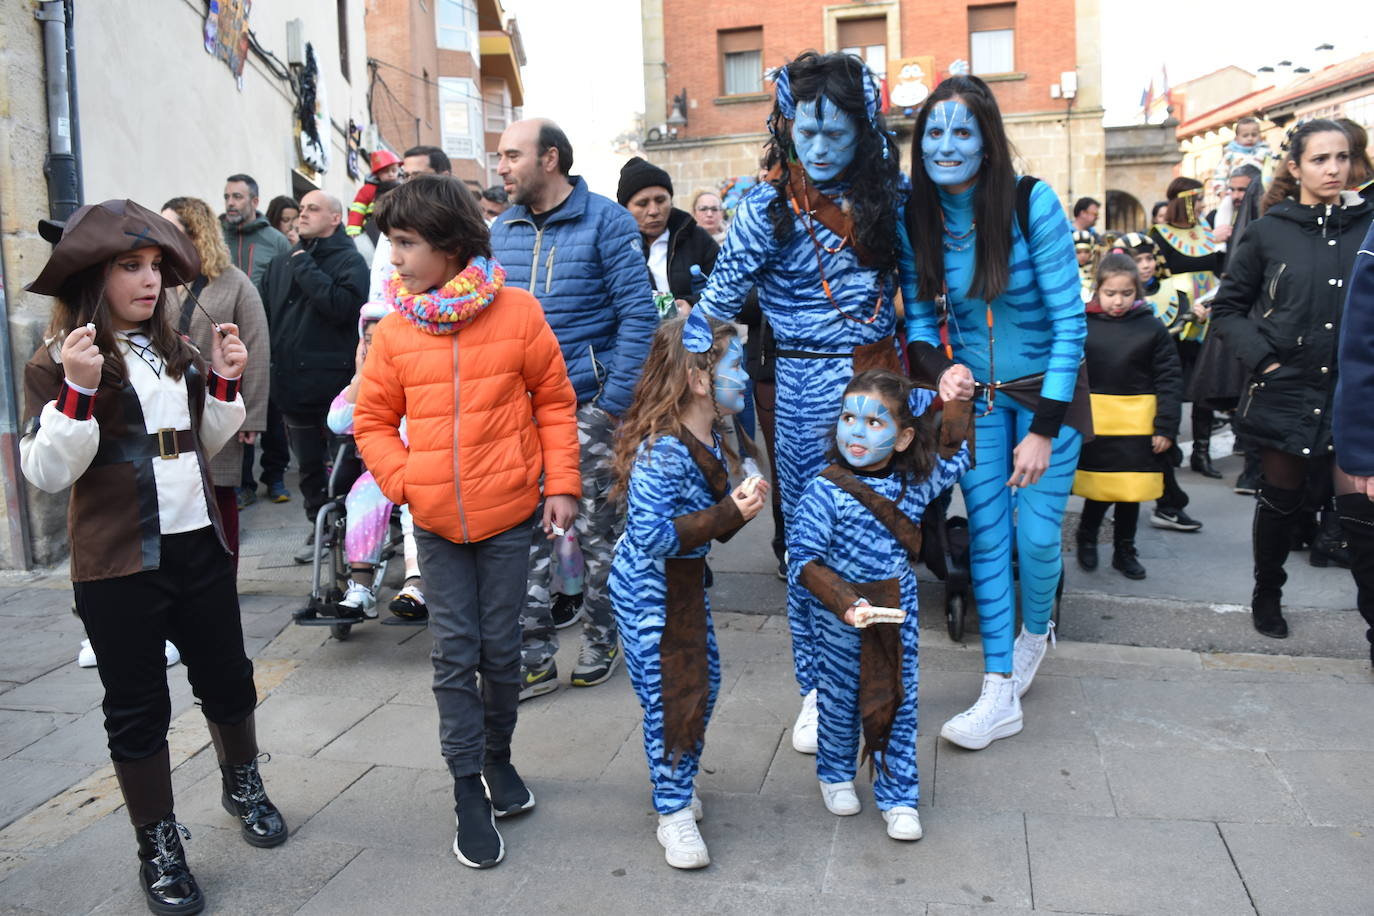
(166, 444)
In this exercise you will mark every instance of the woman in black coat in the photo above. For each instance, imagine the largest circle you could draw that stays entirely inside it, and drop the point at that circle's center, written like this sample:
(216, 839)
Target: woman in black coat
(1354, 433)
(1280, 310)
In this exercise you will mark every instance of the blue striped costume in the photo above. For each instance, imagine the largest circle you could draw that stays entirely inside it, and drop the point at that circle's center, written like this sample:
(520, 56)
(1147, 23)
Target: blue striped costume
(832, 526)
(810, 390)
(1039, 327)
(664, 484)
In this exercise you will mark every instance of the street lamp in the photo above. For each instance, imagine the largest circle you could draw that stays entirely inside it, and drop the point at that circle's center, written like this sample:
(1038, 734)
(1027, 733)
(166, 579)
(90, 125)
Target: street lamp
(678, 117)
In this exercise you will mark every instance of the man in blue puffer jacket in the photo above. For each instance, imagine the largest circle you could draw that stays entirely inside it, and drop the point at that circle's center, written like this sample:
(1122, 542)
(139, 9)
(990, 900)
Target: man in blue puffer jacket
(579, 253)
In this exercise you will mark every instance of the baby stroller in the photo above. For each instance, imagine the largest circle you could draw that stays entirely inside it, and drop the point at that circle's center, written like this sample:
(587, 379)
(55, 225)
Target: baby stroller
(330, 570)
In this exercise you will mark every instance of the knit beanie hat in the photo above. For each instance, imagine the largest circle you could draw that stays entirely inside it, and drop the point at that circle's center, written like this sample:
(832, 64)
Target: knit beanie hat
(636, 175)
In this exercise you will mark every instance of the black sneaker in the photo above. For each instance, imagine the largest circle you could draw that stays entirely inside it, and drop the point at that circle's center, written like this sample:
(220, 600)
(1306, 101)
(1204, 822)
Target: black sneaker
(595, 664)
(567, 610)
(476, 841)
(1174, 520)
(506, 790)
(535, 682)
(1127, 562)
(1246, 486)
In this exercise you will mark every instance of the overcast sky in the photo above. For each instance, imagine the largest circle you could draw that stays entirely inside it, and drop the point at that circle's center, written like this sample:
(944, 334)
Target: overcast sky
(586, 71)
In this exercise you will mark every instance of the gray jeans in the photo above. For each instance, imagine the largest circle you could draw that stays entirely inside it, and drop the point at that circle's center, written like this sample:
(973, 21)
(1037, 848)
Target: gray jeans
(475, 593)
(599, 523)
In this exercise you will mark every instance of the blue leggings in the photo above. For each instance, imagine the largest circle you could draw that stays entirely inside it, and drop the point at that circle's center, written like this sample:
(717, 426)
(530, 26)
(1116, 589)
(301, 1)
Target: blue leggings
(1035, 529)
(810, 394)
(837, 704)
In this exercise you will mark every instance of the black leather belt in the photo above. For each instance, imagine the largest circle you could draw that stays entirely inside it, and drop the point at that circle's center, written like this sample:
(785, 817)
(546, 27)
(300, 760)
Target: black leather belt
(165, 444)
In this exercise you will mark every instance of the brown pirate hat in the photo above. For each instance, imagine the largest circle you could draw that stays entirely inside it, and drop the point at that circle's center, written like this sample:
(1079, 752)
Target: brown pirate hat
(97, 232)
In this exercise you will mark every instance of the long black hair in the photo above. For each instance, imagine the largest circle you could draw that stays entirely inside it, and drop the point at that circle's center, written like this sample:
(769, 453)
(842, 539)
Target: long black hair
(873, 177)
(994, 197)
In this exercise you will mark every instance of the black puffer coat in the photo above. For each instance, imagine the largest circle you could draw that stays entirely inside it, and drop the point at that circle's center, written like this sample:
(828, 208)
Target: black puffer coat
(688, 244)
(1281, 302)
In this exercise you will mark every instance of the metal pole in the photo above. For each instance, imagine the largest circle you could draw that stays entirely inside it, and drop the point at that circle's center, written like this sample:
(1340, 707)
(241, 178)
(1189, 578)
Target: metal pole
(75, 99)
(60, 166)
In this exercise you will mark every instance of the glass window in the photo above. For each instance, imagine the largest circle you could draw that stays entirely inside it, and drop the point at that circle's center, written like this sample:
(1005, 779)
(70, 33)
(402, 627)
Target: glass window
(741, 61)
(456, 22)
(873, 55)
(460, 118)
(992, 52)
(496, 100)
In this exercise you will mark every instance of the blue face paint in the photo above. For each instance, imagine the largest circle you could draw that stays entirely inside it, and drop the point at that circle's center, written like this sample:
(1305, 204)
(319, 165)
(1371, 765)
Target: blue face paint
(825, 137)
(866, 431)
(730, 379)
(952, 146)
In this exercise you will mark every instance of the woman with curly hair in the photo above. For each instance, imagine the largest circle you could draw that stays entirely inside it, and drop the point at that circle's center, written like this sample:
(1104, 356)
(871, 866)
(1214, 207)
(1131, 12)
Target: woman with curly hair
(225, 294)
(818, 239)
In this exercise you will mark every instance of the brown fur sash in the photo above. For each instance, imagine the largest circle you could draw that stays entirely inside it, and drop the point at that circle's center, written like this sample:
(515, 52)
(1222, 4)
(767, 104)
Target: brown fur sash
(807, 198)
(683, 666)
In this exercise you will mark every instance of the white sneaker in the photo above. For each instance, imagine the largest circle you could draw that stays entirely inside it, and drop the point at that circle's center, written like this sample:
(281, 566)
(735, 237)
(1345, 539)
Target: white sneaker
(697, 812)
(172, 653)
(682, 844)
(840, 798)
(997, 714)
(360, 598)
(804, 729)
(86, 657)
(1027, 656)
(903, 823)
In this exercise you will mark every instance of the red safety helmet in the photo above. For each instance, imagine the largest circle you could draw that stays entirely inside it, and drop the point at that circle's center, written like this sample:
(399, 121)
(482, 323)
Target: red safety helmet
(382, 158)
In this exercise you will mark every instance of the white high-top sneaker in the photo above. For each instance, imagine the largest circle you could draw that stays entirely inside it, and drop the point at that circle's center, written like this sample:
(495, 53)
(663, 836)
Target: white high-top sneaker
(903, 823)
(682, 844)
(359, 598)
(840, 798)
(1027, 656)
(804, 729)
(997, 714)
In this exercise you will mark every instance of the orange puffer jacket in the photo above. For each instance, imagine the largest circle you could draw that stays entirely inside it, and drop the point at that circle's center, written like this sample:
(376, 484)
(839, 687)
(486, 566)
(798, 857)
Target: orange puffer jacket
(487, 409)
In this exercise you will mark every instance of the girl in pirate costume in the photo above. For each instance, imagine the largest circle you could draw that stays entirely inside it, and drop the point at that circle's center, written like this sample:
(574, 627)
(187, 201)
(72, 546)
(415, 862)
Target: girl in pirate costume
(1194, 263)
(818, 239)
(992, 297)
(672, 466)
(850, 544)
(126, 413)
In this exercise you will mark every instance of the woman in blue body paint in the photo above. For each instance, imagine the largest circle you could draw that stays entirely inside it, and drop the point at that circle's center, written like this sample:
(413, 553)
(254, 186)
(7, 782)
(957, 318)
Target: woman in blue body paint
(818, 240)
(994, 314)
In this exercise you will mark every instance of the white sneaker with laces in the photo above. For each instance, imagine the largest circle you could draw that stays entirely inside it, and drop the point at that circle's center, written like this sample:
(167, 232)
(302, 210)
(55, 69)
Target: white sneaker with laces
(171, 652)
(997, 714)
(804, 729)
(360, 597)
(86, 657)
(840, 798)
(903, 823)
(682, 844)
(1027, 656)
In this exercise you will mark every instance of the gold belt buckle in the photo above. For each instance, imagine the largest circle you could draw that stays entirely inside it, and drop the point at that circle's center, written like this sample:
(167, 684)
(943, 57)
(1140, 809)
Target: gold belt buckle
(167, 444)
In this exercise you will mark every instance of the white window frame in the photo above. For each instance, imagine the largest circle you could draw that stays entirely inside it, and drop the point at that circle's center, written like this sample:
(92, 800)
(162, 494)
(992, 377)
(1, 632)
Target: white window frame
(457, 92)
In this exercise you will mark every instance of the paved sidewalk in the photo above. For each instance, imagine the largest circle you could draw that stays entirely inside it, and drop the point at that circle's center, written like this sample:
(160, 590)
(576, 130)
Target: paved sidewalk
(1147, 780)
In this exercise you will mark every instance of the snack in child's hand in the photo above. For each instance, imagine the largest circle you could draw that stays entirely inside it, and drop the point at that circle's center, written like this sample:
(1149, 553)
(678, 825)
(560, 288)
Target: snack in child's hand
(90, 325)
(750, 485)
(867, 614)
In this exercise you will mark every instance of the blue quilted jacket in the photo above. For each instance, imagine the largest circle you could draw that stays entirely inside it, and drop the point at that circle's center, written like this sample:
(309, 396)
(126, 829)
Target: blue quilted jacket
(586, 267)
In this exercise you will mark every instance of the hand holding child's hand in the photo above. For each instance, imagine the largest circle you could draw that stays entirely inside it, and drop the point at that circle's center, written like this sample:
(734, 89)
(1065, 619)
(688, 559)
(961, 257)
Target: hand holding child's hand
(81, 358)
(956, 383)
(228, 355)
(748, 504)
(1161, 444)
(559, 512)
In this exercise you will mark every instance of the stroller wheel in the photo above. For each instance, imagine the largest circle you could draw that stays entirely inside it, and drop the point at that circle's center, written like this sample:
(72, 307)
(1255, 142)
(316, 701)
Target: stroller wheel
(956, 606)
(340, 631)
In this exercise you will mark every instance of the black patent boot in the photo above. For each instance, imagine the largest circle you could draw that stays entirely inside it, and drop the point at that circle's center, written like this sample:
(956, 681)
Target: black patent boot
(244, 795)
(1276, 511)
(1126, 561)
(1086, 549)
(166, 879)
(1356, 513)
(1201, 459)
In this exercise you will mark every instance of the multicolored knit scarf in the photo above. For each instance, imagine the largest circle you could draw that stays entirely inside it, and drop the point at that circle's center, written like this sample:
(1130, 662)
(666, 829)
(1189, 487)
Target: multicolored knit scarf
(453, 306)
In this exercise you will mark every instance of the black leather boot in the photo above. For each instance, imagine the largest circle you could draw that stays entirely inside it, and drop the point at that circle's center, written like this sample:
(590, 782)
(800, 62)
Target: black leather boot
(1126, 561)
(1276, 511)
(1356, 513)
(1086, 549)
(243, 794)
(1329, 547)
(1201, 459)
(167, 881)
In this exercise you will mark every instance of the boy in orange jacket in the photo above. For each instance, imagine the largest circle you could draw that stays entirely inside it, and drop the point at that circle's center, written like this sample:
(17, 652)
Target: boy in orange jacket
(475, 369)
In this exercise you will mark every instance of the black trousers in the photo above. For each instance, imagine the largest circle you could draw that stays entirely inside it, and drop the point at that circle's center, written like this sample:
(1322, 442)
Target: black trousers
(275, 456)
(192, 600)
(310, 440)
(1124, 520)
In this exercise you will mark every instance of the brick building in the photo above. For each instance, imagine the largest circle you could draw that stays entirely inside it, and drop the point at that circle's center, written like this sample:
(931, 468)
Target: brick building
(445, 73)
(706, 61)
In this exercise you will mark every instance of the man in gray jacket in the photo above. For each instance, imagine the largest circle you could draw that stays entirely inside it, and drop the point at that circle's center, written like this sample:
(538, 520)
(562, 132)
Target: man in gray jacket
(252, 241)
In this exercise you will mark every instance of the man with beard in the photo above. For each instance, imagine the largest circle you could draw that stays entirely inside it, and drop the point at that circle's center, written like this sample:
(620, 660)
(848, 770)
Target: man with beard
(252, 241)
